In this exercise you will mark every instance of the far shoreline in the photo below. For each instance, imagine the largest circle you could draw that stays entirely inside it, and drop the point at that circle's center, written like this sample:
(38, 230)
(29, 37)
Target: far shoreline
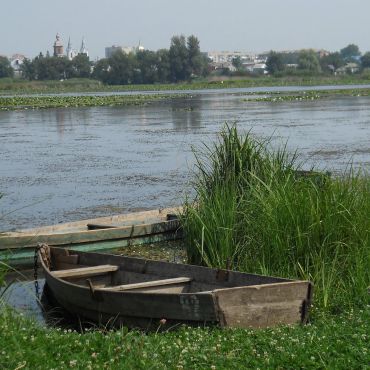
(20, 87)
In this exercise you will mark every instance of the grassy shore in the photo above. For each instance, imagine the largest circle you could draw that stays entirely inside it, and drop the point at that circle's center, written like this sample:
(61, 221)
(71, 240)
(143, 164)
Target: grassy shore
(17, 86)
(257, 212)
(329, 342)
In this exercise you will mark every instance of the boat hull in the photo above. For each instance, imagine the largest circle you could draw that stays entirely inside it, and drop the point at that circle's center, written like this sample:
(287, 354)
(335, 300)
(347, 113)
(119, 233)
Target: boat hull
(17, 248)
(222, 297)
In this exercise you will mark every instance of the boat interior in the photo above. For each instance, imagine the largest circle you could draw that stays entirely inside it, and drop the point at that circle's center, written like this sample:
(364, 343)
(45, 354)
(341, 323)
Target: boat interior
(127, 274)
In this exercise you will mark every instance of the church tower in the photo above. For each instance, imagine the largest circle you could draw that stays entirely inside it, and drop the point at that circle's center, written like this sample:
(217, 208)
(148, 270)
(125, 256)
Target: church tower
(69, 51)
(58, 47)
(83, 49)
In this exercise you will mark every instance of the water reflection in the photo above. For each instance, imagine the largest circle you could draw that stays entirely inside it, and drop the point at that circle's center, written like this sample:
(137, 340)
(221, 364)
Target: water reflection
(186, 113)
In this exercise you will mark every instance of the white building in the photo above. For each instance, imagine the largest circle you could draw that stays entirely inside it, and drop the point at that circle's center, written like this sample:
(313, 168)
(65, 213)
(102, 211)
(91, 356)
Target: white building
(70, 52)
(110, 50)
(228, 56)
(83, 49)
(250, 62)
(16, 62)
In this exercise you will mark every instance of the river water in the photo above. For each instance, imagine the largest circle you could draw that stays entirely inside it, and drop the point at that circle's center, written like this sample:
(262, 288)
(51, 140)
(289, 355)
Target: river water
(60, 165)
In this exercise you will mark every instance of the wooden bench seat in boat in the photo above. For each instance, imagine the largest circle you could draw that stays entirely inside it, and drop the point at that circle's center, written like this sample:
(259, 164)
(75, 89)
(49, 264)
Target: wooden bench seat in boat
(149, 284)
(83, 272)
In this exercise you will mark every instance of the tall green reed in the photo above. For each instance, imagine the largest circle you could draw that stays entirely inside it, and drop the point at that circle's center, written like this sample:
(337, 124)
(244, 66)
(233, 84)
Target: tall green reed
(256, 211)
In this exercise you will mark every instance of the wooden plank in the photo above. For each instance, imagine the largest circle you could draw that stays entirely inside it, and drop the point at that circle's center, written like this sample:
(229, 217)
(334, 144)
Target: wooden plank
(30, 241)
(148, 284)
(262, 306)
(100, 226)
(168, 270)
(136, 218)
(84, 271)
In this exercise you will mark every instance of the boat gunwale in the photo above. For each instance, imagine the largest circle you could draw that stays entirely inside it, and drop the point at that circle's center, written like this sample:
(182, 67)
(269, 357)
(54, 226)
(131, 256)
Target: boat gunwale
(285, 281)
(159, 214)
(88, 236)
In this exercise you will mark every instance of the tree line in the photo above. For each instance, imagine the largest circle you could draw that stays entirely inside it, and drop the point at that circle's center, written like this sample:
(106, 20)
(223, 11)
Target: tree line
(181, 62)
(311, 63)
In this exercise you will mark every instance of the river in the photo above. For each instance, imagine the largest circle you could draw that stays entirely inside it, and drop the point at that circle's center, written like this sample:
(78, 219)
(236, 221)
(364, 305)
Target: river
(60, 165)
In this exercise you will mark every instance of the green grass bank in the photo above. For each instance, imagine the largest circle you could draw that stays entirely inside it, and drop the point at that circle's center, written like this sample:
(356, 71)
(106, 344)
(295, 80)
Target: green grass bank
(18, 86)
(329, 342)
(256, 211)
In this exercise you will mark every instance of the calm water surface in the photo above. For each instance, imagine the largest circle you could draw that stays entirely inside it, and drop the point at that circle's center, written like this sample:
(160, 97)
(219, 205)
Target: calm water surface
(61, 165)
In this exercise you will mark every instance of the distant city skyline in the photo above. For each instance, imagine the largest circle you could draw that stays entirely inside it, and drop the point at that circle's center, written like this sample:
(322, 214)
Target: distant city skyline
(31, 26)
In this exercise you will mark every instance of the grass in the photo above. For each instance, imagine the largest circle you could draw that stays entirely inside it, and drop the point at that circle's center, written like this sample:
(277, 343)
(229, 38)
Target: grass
(17, 86)
(257, 212)
(334, 342)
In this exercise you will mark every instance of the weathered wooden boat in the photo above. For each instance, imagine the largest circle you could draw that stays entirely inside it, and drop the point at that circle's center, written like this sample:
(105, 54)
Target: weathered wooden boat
(104, 233)
(134, 292)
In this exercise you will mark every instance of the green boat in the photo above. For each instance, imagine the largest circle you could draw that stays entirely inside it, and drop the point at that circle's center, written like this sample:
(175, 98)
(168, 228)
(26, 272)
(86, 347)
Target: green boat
(99, 234)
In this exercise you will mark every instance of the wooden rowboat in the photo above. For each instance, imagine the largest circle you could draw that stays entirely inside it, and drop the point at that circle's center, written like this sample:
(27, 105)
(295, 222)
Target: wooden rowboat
(104, 233)
(134, 292)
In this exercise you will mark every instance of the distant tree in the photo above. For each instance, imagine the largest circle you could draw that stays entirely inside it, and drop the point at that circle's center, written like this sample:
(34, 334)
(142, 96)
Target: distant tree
(205, 64)
(120, 71)
(164, 65)
(101, 70)
(52, 68)
(195, 57)
(28, 69)
(290, 58)
(147, 67)
(6, 69)
(237, 63)
(365, 60)
(349, 52)
(333, 59)
(179, 59)
(309, 62)
(179, 63)
(81, 66)
(274, 63)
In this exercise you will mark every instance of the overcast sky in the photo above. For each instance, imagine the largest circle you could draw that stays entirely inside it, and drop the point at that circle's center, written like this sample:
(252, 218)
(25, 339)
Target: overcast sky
(29, 26)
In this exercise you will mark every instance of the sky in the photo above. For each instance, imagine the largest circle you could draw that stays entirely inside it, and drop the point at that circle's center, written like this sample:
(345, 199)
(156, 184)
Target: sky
(30, 26)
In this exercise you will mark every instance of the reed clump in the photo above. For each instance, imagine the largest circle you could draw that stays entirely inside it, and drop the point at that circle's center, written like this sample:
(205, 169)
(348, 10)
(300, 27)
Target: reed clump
(255, 210)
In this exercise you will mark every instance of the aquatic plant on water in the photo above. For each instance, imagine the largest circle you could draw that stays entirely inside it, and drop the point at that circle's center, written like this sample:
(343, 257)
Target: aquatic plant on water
(42, 102)
(256, 211)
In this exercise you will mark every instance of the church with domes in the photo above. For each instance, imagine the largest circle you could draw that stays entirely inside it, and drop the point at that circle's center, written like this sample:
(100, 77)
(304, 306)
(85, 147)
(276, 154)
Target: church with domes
(70, 53)
(58, 47)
